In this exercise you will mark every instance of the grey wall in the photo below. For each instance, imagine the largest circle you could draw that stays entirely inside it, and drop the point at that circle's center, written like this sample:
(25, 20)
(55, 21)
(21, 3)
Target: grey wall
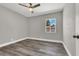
(37, 27)
(12, 26)
(77, 28)
(69, 27)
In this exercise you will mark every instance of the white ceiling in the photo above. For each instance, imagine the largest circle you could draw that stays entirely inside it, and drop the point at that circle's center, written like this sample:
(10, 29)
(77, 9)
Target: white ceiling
(44, 8)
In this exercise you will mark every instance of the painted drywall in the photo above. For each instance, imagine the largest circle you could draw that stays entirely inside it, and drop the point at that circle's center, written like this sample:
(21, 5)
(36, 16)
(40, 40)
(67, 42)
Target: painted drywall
(12, 26)
(77, 28)
(37, 27)
(69, 27)
(15, 26)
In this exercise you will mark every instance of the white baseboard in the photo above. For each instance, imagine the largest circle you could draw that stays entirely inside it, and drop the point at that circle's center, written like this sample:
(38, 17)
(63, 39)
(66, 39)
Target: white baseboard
(12, 42)
(49, 40)
(66, 49)
(9, 43)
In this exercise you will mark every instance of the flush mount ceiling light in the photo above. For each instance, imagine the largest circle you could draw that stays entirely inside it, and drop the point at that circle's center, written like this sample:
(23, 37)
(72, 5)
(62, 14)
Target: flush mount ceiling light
(30, 7)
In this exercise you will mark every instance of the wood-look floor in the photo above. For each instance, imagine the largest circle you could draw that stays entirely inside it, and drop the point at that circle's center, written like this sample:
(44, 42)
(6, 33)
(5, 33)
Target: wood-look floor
(33, 48)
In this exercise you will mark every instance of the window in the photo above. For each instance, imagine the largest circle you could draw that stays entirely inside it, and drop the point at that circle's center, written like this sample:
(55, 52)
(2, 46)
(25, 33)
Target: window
(50, 25)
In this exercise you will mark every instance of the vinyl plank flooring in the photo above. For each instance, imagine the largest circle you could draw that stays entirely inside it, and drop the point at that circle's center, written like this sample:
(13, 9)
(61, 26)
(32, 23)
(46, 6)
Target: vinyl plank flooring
(30, 47)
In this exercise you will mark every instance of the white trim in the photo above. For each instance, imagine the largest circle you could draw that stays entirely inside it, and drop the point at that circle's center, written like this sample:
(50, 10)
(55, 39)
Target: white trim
(66, 49)
(8, 43)
(49, 40)
(18, 40)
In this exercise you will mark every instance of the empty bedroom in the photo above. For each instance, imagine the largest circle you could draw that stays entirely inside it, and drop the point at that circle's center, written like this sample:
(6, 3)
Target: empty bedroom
(38, 29)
